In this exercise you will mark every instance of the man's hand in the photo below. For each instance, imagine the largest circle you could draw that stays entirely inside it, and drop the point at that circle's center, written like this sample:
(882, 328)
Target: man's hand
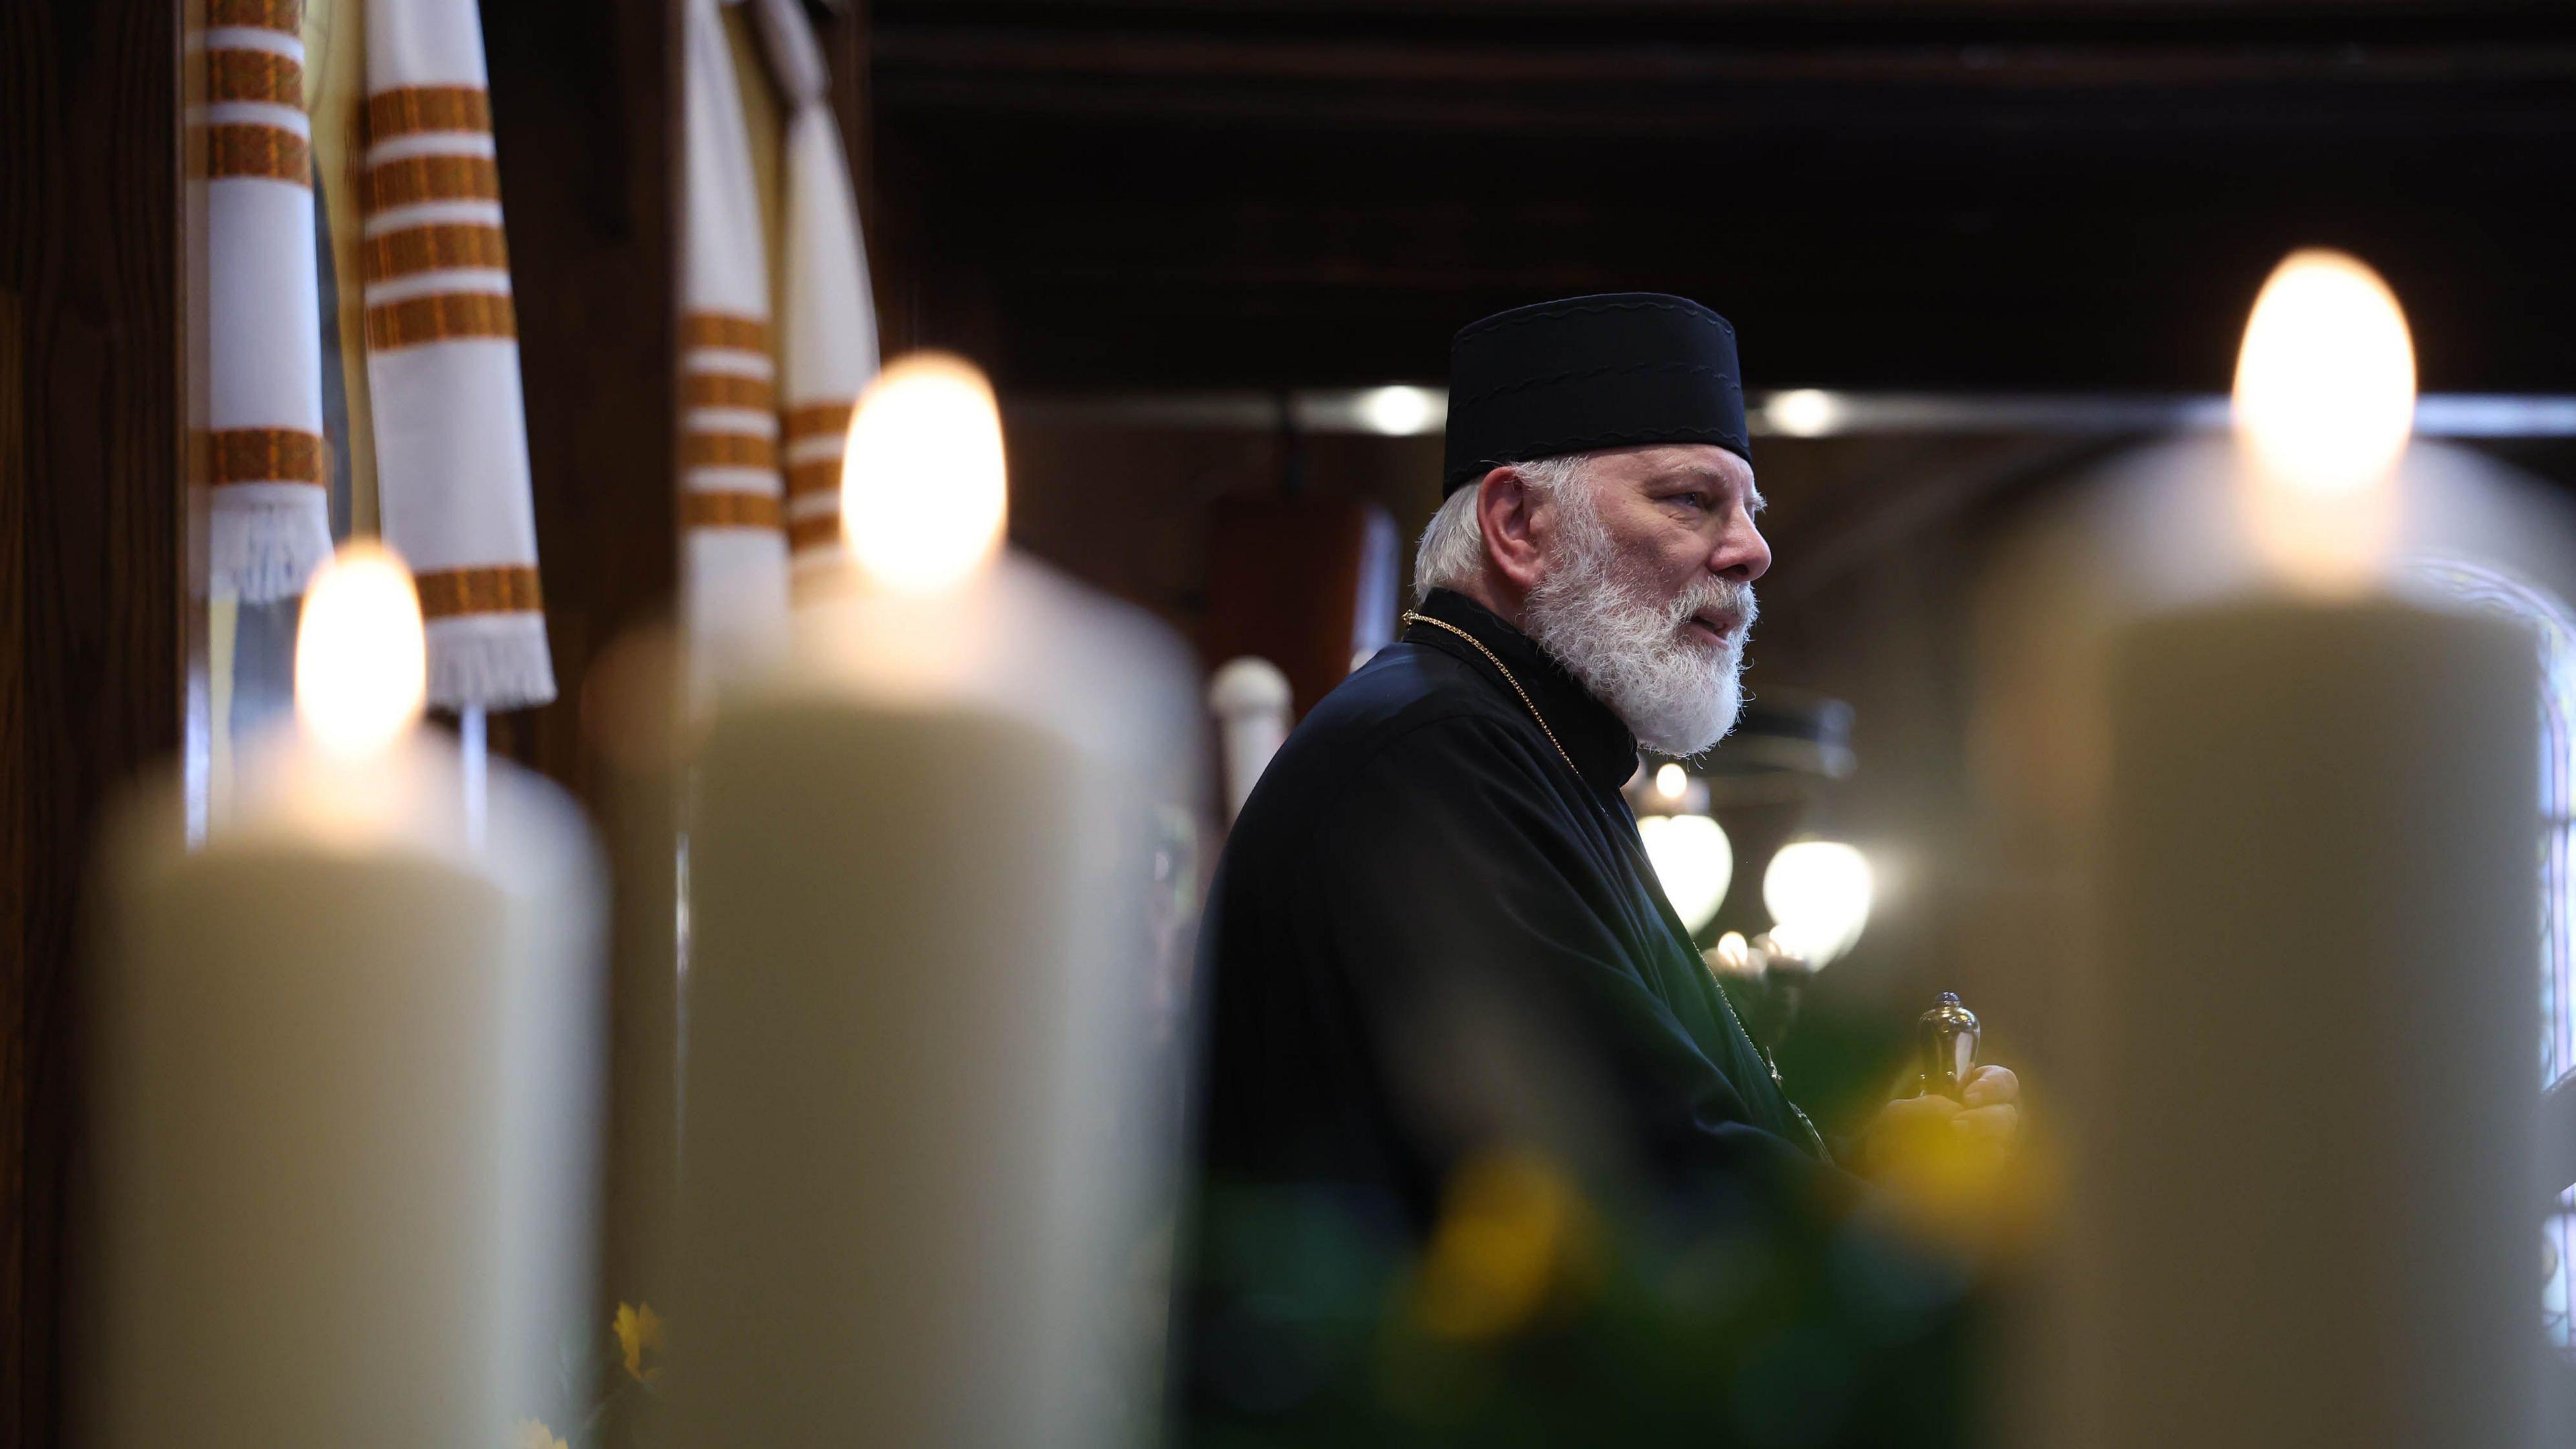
(1950, 1169)
(1986, 1120)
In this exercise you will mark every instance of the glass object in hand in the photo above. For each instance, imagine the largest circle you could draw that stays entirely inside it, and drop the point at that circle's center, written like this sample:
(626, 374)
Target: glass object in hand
(1947, 1037)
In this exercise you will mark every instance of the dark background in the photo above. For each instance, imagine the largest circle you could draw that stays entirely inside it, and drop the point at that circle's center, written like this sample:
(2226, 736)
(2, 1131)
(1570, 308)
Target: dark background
(2023, 194)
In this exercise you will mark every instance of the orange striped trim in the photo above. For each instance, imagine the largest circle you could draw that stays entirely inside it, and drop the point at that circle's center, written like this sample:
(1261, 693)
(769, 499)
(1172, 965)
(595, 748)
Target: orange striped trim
(818, 531)
(285, 15)
(445, 247)
(254, 75)
(724, 329)
(271, 152)
(815, 420)
(727, 450)
(258, 455)
(430, 178)
(414, 109)
(440, 317)
(729, 510)
(821, 475)
(727, 390)
(500, 589)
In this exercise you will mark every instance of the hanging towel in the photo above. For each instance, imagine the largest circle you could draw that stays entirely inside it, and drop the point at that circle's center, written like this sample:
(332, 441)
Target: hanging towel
(257, 436)
(733, 536)
(443, 358)
(830, 319)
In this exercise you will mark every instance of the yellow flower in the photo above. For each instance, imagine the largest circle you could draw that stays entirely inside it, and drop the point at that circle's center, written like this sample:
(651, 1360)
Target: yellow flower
(1514, 1231)
(638, 1328)
(533, 1435)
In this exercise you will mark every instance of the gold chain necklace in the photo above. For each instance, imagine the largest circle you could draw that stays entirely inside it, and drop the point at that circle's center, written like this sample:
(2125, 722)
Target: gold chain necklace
(1411, 617)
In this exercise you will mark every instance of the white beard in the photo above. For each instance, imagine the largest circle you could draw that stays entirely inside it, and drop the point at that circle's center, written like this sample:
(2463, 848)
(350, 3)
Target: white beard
(1677, 692)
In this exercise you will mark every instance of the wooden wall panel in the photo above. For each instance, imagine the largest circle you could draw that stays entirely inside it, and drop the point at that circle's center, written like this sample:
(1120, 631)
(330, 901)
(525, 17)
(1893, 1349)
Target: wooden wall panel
(585, 110)
(90, 526)
(847, 32)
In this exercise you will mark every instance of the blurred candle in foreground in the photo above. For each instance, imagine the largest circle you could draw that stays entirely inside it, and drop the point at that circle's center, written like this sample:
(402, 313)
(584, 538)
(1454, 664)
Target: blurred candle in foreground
(346, 1078)
(2304, 1204)
(911, 1185)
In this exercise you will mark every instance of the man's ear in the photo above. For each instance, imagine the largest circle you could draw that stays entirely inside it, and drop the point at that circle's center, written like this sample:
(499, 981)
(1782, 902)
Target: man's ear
(1505, 516)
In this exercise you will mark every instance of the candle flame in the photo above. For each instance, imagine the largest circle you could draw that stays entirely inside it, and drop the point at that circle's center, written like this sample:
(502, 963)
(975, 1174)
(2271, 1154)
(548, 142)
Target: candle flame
(2324, 402)
(924, 491)
(361, 659)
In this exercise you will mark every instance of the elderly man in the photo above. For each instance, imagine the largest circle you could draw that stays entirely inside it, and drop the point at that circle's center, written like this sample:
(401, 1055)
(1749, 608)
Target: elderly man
(1435, 929)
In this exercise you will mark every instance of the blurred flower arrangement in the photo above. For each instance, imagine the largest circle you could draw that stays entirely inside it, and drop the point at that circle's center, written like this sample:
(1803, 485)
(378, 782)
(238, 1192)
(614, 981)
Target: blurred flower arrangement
(617, 1390)
(1542, 1310)
(638, 1328)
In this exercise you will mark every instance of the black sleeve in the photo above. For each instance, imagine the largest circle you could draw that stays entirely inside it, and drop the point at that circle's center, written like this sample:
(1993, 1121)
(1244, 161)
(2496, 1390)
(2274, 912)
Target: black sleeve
(1478, 938)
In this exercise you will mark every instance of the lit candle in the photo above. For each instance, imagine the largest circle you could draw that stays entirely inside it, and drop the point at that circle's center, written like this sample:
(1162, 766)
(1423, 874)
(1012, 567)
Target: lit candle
(919, 979)
(2304, 1210)
(345, 1078)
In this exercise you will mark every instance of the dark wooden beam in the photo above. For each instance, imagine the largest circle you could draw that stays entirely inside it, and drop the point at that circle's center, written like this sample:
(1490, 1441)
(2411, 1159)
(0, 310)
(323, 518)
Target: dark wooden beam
(1941, 193)
(1750, 21)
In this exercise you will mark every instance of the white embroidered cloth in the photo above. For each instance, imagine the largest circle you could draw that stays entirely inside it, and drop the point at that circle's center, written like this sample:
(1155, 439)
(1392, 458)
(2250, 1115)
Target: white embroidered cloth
(830, 323)
(733, 541)
(443, 357)
(256, 439)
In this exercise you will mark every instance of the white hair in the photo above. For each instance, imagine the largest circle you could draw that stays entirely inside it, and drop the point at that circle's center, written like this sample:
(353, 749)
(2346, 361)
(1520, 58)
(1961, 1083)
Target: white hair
(1452, 551)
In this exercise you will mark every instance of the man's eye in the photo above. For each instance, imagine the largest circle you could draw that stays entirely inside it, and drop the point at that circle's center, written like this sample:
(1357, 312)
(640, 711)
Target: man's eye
(1698, 501)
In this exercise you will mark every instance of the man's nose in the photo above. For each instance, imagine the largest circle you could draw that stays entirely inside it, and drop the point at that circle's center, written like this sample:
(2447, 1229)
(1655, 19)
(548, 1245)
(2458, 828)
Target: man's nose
(1744, 555)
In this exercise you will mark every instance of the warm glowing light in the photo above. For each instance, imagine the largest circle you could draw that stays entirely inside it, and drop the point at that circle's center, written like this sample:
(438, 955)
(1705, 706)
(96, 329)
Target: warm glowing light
(924, 491)
(1398, 412)
(2325, 399)
(1671, 781)
(1802, 412)
(2325, 384)
(1692, 858)
(361, 660)
(1818, 894)
(1732, 954)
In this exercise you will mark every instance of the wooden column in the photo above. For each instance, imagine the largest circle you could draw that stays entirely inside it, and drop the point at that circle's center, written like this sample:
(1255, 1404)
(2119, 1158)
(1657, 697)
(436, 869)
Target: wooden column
(91, 517)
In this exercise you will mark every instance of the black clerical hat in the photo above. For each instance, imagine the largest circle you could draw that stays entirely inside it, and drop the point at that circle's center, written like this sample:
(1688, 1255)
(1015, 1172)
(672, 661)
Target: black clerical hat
(1611, 371)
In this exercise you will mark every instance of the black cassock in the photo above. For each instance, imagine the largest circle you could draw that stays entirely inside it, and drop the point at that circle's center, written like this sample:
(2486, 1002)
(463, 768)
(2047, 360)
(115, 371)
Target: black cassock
(1433, 937)
(1422, 882)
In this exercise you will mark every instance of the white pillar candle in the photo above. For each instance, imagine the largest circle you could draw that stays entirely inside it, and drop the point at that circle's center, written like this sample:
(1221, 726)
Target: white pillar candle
(1250, 699)
(919, 977)
(2304, 1205)
(345, 1080)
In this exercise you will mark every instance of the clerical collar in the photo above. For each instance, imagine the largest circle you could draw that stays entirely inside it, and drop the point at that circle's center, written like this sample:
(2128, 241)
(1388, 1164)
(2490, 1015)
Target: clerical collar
(1595, 739)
